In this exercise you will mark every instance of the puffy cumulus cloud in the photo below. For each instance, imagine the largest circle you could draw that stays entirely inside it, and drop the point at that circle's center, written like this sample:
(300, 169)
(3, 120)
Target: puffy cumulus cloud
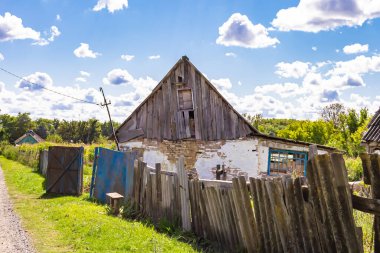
(142, 86)
(83, 75)
(154, 57)
(283, 90)
(111, 5)
(329, 96)
(355, 48)
(222, 83)
(295, 69)
(11, 28)
(54, 33)
(324, 15)
(127, 57)
(84, 51)
(117, 77)
(1, 57)
(359, 65)
(58, 17)
(61, 106)
(239, 31)
(35, 82)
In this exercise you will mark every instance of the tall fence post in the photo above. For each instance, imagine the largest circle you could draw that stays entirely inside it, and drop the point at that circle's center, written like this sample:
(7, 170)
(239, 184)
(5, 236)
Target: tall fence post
(184, 193)
(371, 168)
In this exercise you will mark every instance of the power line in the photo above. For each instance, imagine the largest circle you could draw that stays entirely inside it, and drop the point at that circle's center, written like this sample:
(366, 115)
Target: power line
(42, 87)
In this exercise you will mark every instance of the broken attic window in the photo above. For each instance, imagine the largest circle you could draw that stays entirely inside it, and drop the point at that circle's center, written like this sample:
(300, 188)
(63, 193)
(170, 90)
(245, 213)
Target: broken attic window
(179, 79)
(185, 99)
(287, 162)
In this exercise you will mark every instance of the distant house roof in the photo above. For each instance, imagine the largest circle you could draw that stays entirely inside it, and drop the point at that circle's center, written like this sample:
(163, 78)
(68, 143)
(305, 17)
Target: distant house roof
(30, 135)
(373, 132)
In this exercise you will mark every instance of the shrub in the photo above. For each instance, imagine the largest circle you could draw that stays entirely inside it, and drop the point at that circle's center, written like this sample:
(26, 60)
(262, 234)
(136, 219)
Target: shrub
(354, 168)
(54, 138)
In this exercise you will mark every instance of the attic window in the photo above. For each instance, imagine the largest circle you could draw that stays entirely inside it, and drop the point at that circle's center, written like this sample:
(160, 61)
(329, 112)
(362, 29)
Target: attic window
(185, 99)
(179, 79)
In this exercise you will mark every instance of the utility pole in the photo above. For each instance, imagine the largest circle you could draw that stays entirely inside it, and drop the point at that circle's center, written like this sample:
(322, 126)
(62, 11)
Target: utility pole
(109, 115)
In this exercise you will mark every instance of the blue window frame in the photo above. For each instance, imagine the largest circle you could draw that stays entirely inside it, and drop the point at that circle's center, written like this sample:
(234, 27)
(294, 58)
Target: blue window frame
(281, 162)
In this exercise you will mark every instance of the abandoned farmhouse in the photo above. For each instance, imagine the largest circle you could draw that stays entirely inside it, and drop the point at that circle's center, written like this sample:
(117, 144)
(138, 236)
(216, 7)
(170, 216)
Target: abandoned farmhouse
(186, 115)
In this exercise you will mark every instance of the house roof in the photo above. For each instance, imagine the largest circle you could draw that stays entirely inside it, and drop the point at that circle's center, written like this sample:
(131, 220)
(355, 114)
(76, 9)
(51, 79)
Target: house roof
(253, 131)
(243, 121)
(32, 134)
(373, 132)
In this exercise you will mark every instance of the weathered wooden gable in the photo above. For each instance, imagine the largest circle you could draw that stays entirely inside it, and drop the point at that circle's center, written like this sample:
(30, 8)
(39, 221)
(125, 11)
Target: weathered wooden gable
(184, 105)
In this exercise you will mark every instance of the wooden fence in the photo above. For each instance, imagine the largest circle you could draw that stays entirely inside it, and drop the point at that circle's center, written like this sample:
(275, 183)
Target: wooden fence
(272, 214)
(162, 194)
(279, 214)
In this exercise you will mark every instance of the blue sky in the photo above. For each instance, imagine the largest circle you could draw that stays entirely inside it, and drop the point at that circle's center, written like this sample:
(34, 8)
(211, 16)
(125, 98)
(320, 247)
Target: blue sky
(284, 59)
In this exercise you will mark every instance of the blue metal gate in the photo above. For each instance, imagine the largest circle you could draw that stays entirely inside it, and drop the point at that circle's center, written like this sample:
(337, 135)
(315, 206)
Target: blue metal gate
(112, 172)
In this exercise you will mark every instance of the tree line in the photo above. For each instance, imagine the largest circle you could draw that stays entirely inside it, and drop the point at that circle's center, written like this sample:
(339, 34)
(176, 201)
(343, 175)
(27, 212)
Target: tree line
(337, 126)
(54, 130)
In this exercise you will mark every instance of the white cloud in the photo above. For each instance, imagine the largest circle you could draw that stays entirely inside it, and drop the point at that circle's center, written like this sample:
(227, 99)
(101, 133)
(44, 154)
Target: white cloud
(324, 15)
(117, 77)
(54, 33)
(84, 51)
(127, 57)
(295, 69)
(111, 5)
(154, 57)
(314, 48)
(58, 17)
(239, 31)
(359, 65)
(11, 28)
(81, 79)
(222, 83)
(355, 48)
(230, 54)
(1, 57)
(84, 73)
(35, 82)
(283, 90)
(46, 104)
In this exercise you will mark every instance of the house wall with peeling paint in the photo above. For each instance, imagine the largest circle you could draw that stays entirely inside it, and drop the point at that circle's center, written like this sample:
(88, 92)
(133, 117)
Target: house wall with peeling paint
(247, 157)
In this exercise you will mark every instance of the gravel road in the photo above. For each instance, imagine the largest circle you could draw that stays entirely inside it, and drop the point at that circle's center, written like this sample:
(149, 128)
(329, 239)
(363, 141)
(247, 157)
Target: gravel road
(13, 238)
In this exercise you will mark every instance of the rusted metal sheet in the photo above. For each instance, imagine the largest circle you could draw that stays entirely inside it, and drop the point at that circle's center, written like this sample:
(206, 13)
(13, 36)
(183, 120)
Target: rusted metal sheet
(65, 170)
(112, 172)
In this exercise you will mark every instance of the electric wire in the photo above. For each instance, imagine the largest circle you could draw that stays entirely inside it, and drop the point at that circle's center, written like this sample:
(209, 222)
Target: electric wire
(42, 87)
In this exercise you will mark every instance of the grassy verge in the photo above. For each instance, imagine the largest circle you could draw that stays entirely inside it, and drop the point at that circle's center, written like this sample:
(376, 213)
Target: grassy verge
(75, 224)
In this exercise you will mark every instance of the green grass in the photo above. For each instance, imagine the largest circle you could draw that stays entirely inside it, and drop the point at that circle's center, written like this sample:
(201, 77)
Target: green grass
(75, 224)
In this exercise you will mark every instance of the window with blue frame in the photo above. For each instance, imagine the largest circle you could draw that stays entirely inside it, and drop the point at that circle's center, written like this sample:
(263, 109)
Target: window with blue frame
(281, 162)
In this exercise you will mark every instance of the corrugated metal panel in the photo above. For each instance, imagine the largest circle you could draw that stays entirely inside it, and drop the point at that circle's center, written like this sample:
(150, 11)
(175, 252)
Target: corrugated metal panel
(112, 172)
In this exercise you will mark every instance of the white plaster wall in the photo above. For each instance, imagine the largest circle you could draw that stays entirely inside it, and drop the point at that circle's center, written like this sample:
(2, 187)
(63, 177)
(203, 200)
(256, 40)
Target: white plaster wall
(239, 154)
(152, 155)
(250, 156)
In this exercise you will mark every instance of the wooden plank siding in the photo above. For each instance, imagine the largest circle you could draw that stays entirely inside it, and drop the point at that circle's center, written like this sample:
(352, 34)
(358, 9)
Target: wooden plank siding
(163, 116)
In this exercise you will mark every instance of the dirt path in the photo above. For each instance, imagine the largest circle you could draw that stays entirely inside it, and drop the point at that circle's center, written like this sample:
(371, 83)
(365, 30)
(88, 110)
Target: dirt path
(13, 237)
